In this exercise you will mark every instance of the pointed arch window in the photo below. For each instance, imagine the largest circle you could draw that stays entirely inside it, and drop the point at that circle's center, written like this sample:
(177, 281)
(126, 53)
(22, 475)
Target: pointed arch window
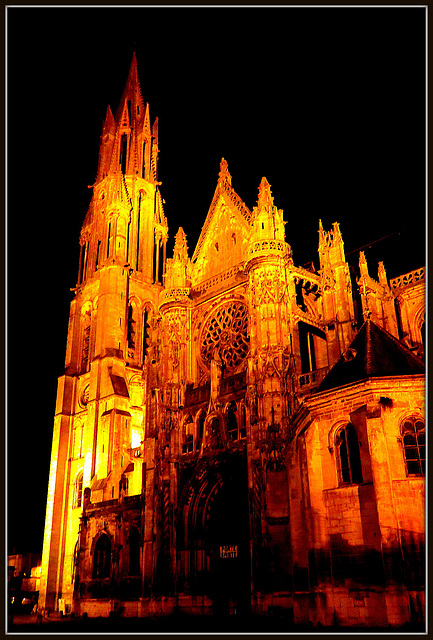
(134, 552)
(348, 456)
(143, 172)
(146, 336)
(85, 358)
(98, 248)
(137, 254)
(232, 423)
(413, 436)
(128, 241)
(102, 557)
(200, 427)
(108, 239)
(131, 331)
(123, 152)
(83, 262)
(243, 423)
(78, 491)
(188, 441)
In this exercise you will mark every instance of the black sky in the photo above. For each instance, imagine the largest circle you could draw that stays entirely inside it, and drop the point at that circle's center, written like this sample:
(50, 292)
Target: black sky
(328, 104)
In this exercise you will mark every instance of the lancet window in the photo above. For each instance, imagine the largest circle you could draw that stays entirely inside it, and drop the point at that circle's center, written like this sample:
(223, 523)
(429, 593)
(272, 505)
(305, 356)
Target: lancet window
(98, 248)
(137, 254)
(83, 262)
(413, 435)
(188, 439)
(143, 171)
(102, 557)
(146, 335)
(131, 330)
(108, 239)
(123, 152)
(200, 427)
(78, 491)
(348, 456)
(232, 424)
(85, 358)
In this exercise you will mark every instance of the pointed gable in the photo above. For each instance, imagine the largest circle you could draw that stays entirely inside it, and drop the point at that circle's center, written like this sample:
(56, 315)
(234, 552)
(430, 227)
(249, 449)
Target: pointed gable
(226, 228)
(373, 353)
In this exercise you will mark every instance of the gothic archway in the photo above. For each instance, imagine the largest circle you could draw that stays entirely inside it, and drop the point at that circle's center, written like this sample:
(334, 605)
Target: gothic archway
(213, 534)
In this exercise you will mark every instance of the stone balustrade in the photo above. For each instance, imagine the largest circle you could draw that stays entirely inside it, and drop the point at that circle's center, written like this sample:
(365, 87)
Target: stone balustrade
(408, 279)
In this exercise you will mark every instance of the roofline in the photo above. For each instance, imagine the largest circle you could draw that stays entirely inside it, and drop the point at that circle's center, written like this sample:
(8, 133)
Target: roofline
(333, 390)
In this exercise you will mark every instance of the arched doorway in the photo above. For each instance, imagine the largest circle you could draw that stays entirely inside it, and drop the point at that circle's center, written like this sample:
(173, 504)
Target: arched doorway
(213, 536)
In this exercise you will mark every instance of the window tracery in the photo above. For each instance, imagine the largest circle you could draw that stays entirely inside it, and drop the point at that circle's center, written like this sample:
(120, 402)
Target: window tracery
(413, 433)
(227, 331)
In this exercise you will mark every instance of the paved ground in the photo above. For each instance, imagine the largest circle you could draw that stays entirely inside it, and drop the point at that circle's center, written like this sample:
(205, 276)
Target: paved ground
(24, 624)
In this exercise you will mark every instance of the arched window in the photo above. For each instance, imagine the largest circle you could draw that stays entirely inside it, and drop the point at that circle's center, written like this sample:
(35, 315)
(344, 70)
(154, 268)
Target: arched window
(349, 461)
(131, 330)
(188, 441)
(102, 557)
(123, 152)
(78, 491)
(200, 424)
(146, 336)
(413, 433)
(232, 423)
(243, 423)
(134, 552)
(85, 359)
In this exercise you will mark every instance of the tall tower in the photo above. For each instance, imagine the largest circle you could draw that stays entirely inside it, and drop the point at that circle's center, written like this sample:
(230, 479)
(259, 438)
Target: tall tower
(100, 414)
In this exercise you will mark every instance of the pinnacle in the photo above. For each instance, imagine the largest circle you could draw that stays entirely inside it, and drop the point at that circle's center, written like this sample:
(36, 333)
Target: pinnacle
(265, 196)
(224, 174)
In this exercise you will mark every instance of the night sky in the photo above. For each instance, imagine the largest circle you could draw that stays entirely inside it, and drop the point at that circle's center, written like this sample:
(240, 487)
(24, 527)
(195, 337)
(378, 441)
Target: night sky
(328, 104)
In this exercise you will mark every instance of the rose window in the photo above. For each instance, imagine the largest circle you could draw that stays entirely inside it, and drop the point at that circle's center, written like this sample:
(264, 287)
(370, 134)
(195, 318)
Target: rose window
(226, 330)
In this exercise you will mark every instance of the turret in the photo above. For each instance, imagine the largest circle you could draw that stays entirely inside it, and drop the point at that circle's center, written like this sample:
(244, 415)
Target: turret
(267, 219)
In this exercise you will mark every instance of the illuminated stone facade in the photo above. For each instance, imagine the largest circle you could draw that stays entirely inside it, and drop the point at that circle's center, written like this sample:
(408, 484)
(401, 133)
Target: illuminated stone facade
(226, 436)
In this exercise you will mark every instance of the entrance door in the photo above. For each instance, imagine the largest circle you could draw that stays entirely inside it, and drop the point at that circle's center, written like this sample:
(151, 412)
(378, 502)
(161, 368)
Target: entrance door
(213, 534)
(228, 544)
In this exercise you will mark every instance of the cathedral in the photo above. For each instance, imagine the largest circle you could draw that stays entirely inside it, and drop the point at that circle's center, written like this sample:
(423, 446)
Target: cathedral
(234, 434)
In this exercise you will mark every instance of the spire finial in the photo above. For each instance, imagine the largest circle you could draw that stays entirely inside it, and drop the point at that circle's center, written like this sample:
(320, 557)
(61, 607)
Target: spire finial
(265, 200)
(224, 174)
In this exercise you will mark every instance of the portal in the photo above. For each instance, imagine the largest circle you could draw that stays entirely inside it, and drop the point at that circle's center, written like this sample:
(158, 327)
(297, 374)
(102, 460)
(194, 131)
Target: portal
(214, 546)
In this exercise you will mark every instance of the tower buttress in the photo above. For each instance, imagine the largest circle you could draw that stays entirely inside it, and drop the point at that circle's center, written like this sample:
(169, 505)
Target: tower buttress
(268, 257)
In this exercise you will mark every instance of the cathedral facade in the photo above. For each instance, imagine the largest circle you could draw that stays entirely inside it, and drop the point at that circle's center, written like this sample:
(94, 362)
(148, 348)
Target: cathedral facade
(233, 433)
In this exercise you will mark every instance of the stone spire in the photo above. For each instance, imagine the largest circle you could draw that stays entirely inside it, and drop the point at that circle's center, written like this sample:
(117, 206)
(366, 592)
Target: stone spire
(131, 107)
